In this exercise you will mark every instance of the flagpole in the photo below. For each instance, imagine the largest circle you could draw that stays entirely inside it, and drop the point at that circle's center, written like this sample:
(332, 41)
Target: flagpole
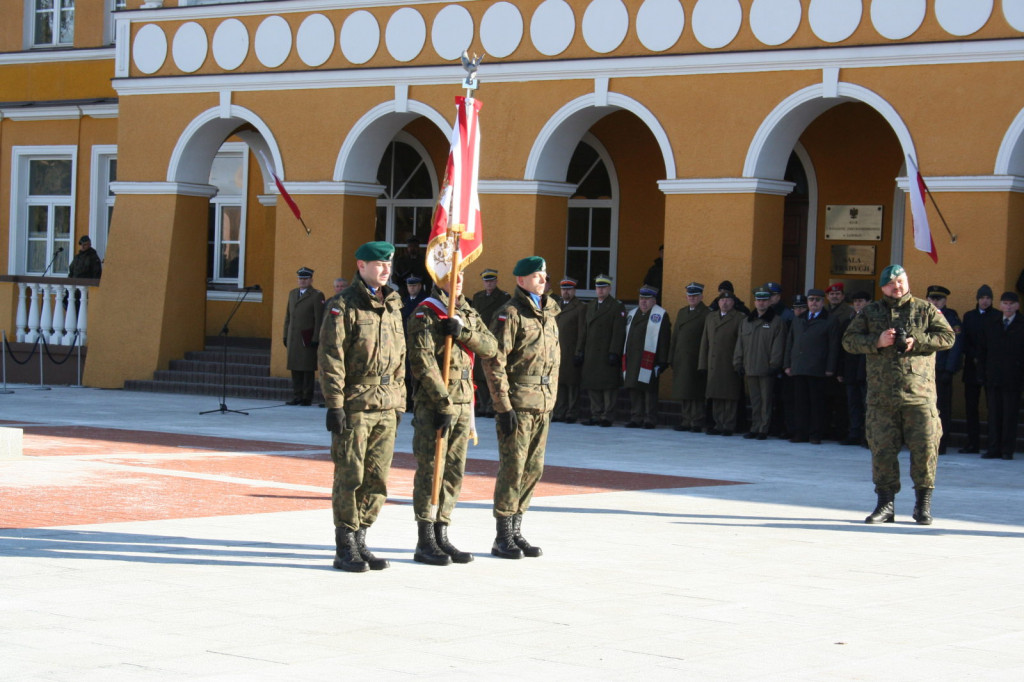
(455, 233)
(952, 237)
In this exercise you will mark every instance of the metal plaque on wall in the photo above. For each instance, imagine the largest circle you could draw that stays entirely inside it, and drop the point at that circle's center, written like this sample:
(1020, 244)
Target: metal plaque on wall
(853, 222)
(850, 259)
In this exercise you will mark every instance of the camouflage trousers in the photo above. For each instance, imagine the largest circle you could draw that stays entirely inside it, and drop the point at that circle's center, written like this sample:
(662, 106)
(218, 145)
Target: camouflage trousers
(888, 428)
(520, 463)
(453, 451)
(362, 455)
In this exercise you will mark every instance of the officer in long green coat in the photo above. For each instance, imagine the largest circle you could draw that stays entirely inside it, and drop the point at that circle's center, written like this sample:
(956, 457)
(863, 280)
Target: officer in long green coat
(600, 349)
(486, 302)
(523, 376)
(689, 386)
(362, 376)
(302, 318)
(570, 326)
(900, 335)
(443, 410)
(725, 386)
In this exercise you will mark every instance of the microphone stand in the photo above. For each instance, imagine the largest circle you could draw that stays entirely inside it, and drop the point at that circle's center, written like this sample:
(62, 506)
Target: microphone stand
(56, 253)
(224, 357)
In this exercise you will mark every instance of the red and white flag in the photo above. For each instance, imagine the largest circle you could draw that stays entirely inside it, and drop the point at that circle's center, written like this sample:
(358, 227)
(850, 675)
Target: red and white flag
(458, 203)
(922, 233)
(284, 193)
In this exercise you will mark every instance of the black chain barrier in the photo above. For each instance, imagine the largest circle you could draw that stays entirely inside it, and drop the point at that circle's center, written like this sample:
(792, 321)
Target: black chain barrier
(10, 352)
(71, 349)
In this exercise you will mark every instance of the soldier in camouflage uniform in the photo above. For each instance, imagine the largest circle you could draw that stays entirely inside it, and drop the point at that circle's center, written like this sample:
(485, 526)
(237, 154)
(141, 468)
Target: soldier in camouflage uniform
(443, 409)
(523, 376)
(901, 389)
(362, 376)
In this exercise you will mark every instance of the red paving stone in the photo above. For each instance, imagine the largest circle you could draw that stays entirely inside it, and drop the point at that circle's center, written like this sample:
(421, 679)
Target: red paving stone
(93, 492)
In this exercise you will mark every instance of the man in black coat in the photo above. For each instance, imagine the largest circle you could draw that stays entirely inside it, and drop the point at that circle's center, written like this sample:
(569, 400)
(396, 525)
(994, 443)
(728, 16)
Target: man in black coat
(1002, 356)
(86, 263)
(972, 333)
(812, 354)
(853, 376)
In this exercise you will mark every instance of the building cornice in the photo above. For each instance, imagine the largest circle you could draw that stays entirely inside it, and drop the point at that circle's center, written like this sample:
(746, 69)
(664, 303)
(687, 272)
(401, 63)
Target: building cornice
(644, 66)
(534, 187)
(182, 188)
(725, 186)
(51, 56)
(968, 183)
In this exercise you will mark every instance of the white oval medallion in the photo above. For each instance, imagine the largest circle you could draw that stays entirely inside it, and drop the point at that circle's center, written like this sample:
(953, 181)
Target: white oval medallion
(273, 41)
(230, 44)
(834, 20)
(962, 17)
(189, 47)
(605, 24)
(501, 29)
(716, 22)
(897, 19)
(452, 32)
(149, 49)
(552, 27)
(315, 40)
(660, 23)
(774, 22)
(406, 34)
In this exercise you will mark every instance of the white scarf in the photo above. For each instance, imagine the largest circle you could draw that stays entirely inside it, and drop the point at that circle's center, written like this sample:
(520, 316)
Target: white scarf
(649, 355)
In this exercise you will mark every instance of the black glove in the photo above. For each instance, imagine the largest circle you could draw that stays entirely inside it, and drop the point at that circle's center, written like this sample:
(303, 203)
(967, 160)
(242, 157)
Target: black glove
(507, 422)
(577, 360)
(314, 344)
(443, 424)
(739, 370)
(335, 419)
(613, 359)
(452, 327)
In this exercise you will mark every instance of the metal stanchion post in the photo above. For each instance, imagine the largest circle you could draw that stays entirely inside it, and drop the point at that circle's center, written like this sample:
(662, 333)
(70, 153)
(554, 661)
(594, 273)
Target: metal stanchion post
(41, 387)
(3, 352)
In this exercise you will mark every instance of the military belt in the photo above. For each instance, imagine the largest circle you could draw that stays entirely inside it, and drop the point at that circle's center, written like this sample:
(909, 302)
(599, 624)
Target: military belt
(382, 380)
(542, 379)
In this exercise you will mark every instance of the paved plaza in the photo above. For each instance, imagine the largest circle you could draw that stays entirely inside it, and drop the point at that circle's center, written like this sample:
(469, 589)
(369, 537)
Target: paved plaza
(140, 540)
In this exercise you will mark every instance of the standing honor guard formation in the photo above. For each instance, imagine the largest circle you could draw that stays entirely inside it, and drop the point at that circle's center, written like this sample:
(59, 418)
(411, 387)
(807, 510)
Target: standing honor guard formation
(523, 376)
(900, 335)
(362, 376)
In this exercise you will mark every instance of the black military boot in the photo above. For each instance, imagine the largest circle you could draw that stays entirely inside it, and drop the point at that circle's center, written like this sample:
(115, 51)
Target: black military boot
(347, 557)
(523, 544)
(366, 555)
(445, 545)
(923, 506)
(885, 510)
(505, 543)
(427, 551)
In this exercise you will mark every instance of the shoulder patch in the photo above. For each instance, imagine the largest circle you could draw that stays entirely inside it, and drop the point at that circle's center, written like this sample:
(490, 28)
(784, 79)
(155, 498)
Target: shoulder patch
(335, 311)
(420, 314)
(502, 317)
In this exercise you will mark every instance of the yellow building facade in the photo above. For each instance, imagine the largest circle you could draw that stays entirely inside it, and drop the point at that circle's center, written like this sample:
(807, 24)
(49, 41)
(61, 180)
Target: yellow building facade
(755, 139)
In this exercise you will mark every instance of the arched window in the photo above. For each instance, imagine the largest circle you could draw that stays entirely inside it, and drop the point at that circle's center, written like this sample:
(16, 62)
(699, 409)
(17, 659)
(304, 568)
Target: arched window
(591, 238)
(410, 192)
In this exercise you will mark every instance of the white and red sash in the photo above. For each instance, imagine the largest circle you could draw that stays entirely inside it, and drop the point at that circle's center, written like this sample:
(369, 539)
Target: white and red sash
(650, 352)
(441, 310)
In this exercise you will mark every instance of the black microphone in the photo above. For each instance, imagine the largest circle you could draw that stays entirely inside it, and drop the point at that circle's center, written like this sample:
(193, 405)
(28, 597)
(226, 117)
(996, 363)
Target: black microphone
(56, 253)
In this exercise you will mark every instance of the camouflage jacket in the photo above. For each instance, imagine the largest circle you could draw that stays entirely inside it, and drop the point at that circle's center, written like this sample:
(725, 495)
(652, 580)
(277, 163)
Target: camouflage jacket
(426, 352)
(894, 379)
(362, 350)
(523, 374)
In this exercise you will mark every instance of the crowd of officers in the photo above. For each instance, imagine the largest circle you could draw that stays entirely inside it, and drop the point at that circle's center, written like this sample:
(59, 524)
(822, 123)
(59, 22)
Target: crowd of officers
(878, 374)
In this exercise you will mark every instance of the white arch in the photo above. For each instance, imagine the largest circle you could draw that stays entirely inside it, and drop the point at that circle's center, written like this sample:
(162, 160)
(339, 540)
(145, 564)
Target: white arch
(198, 144)
(557, 140)
(365, 144)
(1010, 159)
(775, 138)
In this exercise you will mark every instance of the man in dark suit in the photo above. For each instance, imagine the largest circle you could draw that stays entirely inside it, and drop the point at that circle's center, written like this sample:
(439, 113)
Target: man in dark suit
(1002, 356)
(302, 320)
(812, 355)
(972, 332)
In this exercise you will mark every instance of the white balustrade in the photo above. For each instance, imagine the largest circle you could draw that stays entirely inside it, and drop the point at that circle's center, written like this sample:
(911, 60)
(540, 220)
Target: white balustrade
(42, 313)
(21, 317)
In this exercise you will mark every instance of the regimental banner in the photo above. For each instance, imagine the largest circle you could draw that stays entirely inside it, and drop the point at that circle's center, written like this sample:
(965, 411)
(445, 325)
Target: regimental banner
(853, 223)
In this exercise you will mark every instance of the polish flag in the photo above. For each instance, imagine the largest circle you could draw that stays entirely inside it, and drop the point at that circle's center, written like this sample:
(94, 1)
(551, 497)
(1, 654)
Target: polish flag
(458, 203)
(922, 233)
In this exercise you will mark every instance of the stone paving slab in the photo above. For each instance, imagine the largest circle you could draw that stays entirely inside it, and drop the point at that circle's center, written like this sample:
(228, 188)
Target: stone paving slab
(776, 579)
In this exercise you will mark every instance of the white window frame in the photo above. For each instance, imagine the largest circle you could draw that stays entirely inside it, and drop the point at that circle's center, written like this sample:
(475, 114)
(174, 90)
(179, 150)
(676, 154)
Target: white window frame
(30, 25)
(101, 199)
(232, 149)
(392, 204)
(17, 260)
(613, 203)
(110, 19)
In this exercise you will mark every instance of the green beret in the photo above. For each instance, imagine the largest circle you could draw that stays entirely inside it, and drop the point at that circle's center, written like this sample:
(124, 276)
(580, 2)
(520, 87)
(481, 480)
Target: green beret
(529, 265)
(891, 273)
(375, 251)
